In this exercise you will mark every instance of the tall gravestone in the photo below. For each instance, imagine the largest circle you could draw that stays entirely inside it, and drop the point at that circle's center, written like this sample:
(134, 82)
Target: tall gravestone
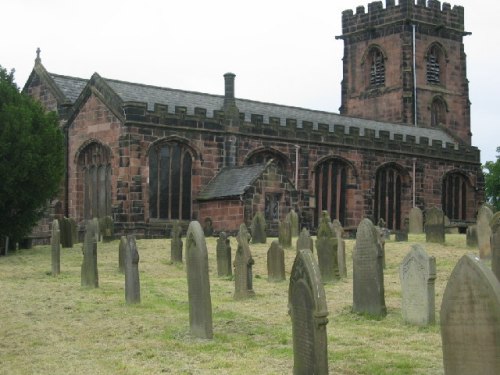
(132, 282)
(417, 274)
(484, 216)
(308, 309)
(434, 225)
(471, 236)
(339, 233)
(208, 228)
(89, 274)
(470, 320)
(74, 230)
(285, 234)
(66, 236)
(223, 251)
(416, 225)
(275, 263)
(258, 228)
(121, 254)
(98, 229)
(305, 241)
(293, 218)
(326, 250)
(243, 263)
(495, 244)
(176, 243)
(55, 245)
(368, 273)
(200, 302)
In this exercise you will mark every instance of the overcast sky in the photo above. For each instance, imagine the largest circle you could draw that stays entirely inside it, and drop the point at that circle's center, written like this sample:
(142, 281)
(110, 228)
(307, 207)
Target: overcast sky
(282, 51)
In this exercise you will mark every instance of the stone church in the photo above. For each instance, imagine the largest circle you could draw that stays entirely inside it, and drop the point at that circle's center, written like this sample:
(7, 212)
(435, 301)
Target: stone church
(148, 155)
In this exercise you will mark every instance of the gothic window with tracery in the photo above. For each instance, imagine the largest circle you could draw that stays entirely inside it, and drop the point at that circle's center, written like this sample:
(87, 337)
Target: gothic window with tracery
(331, 189)
(433, 64)
(388, 188)
(454, 196)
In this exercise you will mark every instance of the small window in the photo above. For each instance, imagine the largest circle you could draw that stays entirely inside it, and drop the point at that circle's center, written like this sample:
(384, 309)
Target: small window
(438, 112)
(257, 119)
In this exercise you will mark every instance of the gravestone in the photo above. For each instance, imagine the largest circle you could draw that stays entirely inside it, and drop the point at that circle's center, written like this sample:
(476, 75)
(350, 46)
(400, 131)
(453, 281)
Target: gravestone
(305, 241)
(98, 230)
(285, 234)
(132, 282)
(417, 274)
(381, 241)
(308, 309)
(293, 218)
(368, 273)
(243, 263)
(275, 263)
(401, 236)
(416, 221)
(74, 230)
(495, 244)
(471, 236)
(106, 226)
(176, 243)
(223, 251)
(55, 246)
(208, 228)
(434, 225)
(484, 216)
(200, 303)
(89, 274)
(66, 236)
(339, 233)
(258, 228)
(470, 319)
(121, 254)
(326, 250)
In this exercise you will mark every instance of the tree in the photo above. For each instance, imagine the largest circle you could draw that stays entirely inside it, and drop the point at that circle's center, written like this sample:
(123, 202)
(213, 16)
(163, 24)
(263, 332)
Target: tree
(31, 159)
(492, 181)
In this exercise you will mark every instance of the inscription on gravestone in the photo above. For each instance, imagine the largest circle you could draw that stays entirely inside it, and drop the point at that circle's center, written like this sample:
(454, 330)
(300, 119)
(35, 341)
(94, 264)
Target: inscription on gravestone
(243, 263)
(434, 225)
(470, 320)
(55, 248)
(223, 251)
(89, 274)
(132, 282)
(275, 263)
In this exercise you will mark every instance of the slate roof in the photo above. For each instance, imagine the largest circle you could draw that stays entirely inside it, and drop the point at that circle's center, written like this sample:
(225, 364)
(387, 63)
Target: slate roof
(71, 87)
(231, 182)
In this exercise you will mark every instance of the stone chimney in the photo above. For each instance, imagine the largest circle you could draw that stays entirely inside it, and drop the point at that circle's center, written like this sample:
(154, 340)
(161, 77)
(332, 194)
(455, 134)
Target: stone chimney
(231, 111)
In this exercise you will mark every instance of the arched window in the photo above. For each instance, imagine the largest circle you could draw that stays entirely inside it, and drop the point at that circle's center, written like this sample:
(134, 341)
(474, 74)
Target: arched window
(388, 190)
(170, 166)
(263, 156)
(94, 163)
(435, 64)
(376, 65)
(438, 111)
(331, 188)
(454, 196)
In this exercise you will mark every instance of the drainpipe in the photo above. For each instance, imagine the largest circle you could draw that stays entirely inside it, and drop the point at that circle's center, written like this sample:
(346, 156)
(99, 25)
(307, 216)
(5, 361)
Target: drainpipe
(414, 182)
(297, 148)
(414, 79)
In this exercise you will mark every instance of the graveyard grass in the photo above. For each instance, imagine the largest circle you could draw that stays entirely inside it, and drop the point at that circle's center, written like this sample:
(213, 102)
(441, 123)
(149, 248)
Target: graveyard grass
(52, 325)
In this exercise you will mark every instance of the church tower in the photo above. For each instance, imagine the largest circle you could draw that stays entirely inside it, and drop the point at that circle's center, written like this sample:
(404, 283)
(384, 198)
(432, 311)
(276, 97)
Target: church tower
(406, 64)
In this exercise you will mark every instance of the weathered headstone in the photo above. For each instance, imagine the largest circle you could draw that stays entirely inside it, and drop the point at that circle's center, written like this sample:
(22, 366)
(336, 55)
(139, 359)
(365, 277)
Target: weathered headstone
(66, 236)
(434, 225)
(223, 251)
(275, 263)
(74, 230)
(89, 274)
(98, 230)
(495, 244)
(381, 241)
(243, 263)
(121, 254)
(417, 274)
(326, 250)
(416, 221)
(285, 234)
(55, 245)
(339, 233)
(258, 228)
(401, 236)
(484, 217)
(132, 282)
(308, 310)
(471, 236)
(176, 243)
(200, 302)
(368, 273)
(106, 226)
(293, 218)
(305, 241)
(208, 228)
(470, 319)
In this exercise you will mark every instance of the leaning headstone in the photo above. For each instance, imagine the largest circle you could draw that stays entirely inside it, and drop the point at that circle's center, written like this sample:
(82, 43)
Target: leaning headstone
(434, 225)
(121, 254)
(326, 250)
(368, 273)
(200, 302)
(223, 251)
(55, 245)
(132, 282)
(293, 218)
(243, 263)
(305, 241)
(258, 228)
(417, 274)
(275, 263)
(89, 275)
(495, 244)
(484, 216)
(106, 225)
(470, 319)
(285, 234)
(66, 236)
(308, 310)
(471, 236)
(176, 243)
(416, 221)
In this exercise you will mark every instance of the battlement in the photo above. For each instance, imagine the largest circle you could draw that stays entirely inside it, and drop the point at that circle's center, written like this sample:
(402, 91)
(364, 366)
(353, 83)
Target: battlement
(430, 12)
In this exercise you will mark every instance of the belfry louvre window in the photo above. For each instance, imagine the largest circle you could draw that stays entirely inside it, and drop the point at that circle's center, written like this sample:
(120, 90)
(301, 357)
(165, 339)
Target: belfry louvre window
(331, 189)
(454, 196)
(377, 68)
(433, 68)
(170, 166)
(388, 197)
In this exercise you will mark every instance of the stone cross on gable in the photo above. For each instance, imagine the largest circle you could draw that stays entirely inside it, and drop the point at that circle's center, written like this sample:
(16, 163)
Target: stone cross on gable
(38, 59)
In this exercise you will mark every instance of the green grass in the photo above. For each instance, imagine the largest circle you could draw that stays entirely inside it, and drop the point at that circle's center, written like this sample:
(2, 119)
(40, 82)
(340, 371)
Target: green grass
(51, 325)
